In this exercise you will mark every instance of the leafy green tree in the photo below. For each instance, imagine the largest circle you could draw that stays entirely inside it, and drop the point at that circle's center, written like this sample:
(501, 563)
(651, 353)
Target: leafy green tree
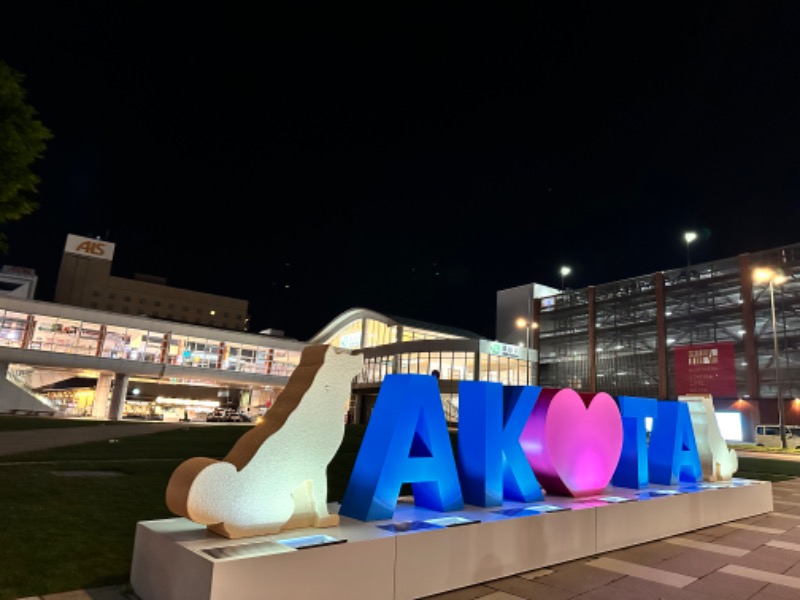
(23, 139)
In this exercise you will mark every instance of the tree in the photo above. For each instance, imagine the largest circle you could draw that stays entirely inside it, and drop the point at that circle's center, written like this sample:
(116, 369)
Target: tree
(23, 139)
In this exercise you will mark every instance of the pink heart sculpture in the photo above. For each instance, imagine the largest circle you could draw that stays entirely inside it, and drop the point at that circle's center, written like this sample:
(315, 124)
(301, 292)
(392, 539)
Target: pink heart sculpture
(573, 441)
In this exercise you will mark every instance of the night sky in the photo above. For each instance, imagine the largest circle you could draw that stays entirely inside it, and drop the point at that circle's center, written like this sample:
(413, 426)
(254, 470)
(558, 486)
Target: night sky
(410, 158)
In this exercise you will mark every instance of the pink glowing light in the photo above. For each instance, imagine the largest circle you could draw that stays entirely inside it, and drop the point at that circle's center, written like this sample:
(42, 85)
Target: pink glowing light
(573, 441)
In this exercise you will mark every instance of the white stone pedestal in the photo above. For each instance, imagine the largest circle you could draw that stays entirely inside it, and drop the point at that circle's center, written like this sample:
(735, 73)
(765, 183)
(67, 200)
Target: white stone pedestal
(175, 559)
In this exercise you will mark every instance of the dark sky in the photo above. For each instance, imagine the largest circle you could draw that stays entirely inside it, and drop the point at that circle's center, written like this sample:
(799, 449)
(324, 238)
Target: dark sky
(411, 158)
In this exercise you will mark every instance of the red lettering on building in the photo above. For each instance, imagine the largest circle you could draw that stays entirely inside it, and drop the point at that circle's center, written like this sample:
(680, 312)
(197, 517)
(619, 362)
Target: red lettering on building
(96, 248)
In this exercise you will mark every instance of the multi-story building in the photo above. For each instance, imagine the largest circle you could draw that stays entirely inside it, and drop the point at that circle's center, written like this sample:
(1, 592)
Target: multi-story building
(85, 279)
(704, 330)
(19, 282)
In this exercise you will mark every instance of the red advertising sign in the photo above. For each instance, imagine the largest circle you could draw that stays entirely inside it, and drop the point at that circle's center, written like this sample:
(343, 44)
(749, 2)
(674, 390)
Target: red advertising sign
(705, 369)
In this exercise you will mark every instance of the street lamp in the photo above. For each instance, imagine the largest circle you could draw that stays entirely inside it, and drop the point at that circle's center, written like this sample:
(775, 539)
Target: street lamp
(529, 327)
(765, 275)
(688, 237)
(564, 272)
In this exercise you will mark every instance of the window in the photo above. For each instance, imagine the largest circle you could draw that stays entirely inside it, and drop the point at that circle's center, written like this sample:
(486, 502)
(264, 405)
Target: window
(12, 328)
(116, 342)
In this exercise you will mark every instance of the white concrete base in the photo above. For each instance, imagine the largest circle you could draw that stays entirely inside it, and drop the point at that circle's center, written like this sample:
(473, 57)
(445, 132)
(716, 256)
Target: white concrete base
(175, 559)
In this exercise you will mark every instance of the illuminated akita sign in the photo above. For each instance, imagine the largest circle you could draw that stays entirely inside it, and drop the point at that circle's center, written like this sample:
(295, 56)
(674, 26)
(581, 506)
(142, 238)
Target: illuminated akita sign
(513, 442)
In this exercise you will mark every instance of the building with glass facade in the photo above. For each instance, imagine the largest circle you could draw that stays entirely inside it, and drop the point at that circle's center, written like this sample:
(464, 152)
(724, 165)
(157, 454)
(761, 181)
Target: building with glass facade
(399, 345)
(140, 366)
(703, 330)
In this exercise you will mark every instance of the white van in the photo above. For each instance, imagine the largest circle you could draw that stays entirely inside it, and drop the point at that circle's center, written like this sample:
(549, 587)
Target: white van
(770, 436)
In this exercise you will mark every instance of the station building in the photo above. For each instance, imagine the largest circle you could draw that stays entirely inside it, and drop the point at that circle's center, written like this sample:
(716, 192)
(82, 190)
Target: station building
(144, 367)
(392, 344)
(110, 347)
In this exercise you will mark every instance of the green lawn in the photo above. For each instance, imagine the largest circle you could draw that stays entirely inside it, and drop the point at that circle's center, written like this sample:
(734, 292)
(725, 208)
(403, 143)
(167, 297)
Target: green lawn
(62, 533)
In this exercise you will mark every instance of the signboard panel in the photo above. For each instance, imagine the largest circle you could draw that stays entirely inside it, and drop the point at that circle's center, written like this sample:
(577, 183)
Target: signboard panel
(89, 247)
(706, 369)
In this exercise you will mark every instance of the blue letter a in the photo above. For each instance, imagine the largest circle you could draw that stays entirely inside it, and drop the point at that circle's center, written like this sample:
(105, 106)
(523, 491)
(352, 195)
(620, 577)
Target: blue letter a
(406, 442)
(673, 452)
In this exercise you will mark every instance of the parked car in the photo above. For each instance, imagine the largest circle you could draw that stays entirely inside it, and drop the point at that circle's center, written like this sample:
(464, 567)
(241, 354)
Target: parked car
(216, 416)
(770, 436)
(227, 415)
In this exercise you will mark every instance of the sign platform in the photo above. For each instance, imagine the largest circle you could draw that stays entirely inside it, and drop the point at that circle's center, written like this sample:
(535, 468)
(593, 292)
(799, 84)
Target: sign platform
(421, 552)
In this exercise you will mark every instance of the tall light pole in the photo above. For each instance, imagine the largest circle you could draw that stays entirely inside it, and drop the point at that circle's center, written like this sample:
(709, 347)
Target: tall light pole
(764, 275)
(529, 326)
(688, 237)
(564, 272)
